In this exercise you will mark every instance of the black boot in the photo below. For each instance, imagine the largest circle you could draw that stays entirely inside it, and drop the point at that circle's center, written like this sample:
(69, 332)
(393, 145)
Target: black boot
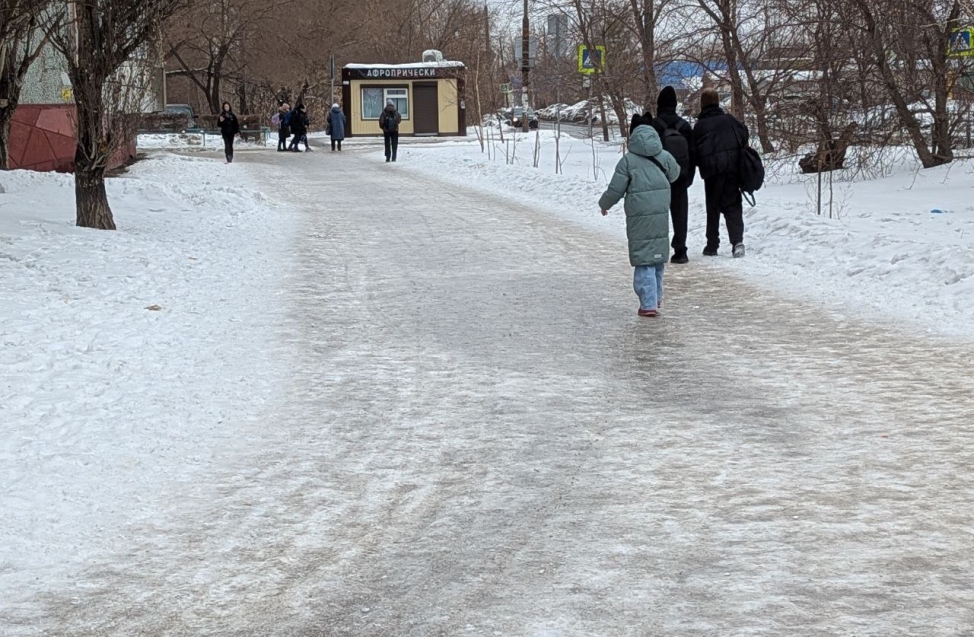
(680, 257)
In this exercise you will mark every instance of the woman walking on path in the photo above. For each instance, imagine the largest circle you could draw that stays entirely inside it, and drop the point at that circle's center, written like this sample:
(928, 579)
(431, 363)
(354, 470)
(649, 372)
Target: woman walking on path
(229, 128)
(281, 120)
(643, 176)
(336, 126)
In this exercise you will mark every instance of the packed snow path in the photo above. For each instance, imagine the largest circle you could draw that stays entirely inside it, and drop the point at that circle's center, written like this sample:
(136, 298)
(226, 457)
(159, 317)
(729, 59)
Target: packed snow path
(480, 437)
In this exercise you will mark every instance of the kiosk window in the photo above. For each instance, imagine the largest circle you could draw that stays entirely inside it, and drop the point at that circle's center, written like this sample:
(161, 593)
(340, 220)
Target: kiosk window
(374, 100)
(372, 103)
(400, 97)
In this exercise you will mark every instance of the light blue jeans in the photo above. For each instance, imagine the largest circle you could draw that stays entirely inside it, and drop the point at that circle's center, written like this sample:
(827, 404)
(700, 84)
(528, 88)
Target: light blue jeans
(647, 281)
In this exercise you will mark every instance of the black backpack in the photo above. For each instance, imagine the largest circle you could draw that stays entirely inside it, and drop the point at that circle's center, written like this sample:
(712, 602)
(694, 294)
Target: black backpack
(676, 144)
(391, 124)
(752, 173)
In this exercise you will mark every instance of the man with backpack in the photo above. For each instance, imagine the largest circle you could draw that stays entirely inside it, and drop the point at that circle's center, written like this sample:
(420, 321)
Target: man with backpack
(677, 137)
(718, 144)
(389, 122)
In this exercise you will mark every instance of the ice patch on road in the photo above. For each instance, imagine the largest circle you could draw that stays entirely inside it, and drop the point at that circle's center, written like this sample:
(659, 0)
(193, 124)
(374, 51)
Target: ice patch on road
(882, 256)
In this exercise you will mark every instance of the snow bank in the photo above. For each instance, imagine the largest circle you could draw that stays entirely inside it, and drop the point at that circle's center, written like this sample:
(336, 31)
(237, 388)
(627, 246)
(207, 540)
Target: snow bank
(885, 257)
(125, 354)
(183, 141)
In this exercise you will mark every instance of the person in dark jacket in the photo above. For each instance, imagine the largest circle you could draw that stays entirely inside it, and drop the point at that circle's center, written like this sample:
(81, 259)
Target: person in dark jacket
(336, 126)
(717, 142)
(229, 128)
(299, 127)
(668, 124)
(389, 122)
(283, 127)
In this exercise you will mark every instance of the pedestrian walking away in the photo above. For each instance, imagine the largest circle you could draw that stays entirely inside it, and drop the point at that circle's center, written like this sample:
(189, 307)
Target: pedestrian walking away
(336, 126)
(229, 128)
(299, 127)
(717, 142)
(282, 120)
(677, 137)
(643, 177)
(389, 122)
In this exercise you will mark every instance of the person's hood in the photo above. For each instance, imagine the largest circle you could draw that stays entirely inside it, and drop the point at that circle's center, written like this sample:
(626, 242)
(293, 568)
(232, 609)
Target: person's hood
(336, 109)
(645, 141)
(391, 107)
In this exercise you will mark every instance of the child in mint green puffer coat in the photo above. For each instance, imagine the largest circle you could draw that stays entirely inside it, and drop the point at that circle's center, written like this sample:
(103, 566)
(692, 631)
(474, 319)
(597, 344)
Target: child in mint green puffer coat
(643, 176)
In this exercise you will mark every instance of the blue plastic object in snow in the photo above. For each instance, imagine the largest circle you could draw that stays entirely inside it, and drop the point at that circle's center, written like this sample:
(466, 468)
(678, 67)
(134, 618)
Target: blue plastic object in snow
(938, 211)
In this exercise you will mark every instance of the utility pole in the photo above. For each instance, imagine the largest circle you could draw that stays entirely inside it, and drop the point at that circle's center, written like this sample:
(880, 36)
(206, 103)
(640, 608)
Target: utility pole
(525, 67)
(331, 83)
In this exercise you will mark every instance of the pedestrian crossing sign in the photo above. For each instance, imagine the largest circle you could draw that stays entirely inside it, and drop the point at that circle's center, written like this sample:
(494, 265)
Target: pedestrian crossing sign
(961, 43)
(590, 60)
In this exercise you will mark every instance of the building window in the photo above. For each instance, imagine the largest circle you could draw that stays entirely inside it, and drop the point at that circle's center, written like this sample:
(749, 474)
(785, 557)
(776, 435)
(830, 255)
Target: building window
(374, 100)
(400, 97)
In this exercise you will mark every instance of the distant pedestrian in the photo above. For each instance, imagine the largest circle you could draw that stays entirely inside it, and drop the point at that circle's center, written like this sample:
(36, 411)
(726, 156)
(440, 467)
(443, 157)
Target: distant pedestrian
(336, 126)
(389, 122)
(718, 139)
(299, 127)
(643, 176)
(677, 138)
(281, 119)
(229, 128)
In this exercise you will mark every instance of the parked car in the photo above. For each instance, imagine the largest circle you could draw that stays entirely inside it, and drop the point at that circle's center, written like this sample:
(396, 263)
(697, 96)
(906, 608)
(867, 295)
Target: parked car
(183, 109)
(515, 117)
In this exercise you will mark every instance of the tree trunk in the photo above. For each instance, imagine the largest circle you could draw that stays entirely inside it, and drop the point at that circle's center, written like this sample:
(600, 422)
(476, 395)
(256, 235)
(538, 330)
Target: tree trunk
(91, 199)
(91, 155)
(6, 116)
(645, 17)
(761, 117)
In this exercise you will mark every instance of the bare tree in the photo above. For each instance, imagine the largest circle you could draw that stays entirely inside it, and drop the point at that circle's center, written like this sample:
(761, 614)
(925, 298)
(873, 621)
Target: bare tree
(25, 29)
(908, 42)
(217, 43)
(100, 38)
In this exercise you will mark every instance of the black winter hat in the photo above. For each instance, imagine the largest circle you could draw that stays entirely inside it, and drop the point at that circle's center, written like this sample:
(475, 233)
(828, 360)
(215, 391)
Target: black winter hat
(667, 98)
(639, 120)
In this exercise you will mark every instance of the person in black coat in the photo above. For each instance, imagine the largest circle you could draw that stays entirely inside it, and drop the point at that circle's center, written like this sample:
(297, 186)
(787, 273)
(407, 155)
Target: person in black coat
(718, 139)
(283, 127)
(389, 120)
(299, 127)
(229, 128)
(665, 123)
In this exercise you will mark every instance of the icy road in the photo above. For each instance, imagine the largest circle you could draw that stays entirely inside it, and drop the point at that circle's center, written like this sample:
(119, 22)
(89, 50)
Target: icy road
(478, 436)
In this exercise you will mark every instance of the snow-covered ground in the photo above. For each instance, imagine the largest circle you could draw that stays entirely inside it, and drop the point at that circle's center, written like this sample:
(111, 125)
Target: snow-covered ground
(884, 255)
(185, 141)
(128, 359)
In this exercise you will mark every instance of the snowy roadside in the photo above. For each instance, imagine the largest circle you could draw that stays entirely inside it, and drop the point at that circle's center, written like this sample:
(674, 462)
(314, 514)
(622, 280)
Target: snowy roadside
(195, 141)
(107, 405)
(886, 258)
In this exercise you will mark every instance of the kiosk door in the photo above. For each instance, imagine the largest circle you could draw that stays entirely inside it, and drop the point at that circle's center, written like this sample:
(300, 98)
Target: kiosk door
(426, 109)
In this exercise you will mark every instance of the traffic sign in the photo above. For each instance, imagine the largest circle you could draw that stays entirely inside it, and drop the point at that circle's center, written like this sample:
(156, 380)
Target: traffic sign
(962, 43)
(592, 60)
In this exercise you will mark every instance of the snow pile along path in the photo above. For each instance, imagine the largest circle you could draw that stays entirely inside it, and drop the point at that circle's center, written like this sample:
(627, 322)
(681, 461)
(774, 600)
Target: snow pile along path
(885, 256)
(130, 360)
